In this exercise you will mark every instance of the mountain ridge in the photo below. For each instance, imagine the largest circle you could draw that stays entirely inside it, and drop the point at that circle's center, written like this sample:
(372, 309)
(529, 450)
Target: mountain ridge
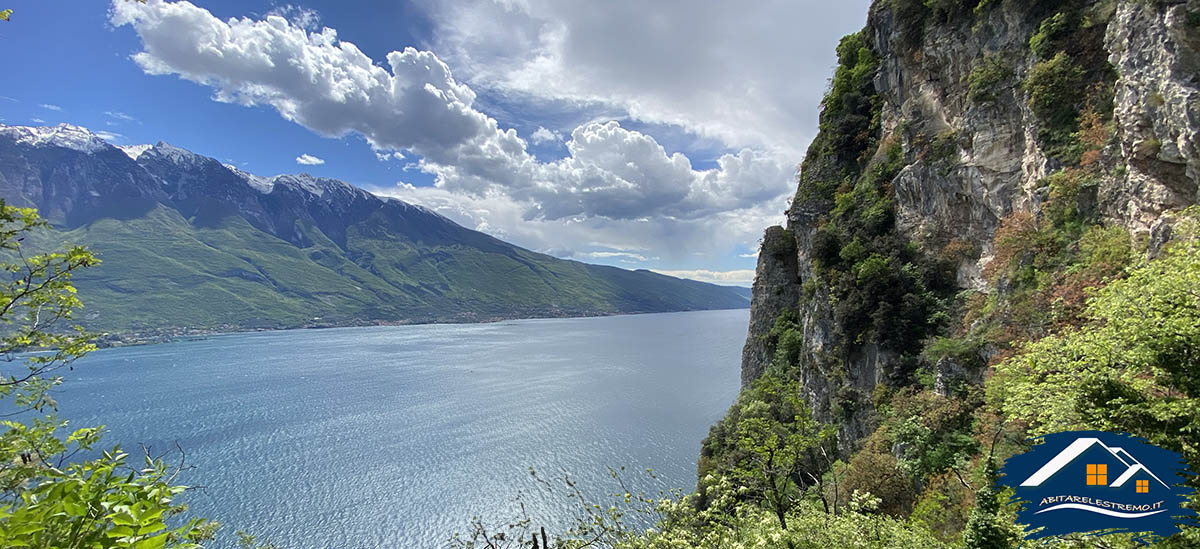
(190, 242)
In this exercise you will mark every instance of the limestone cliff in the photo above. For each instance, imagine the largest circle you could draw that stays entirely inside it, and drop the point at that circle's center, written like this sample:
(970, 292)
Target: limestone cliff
(944, 119)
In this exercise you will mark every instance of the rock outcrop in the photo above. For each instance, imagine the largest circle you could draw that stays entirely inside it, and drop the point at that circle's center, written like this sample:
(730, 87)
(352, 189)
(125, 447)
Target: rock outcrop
(955, 92)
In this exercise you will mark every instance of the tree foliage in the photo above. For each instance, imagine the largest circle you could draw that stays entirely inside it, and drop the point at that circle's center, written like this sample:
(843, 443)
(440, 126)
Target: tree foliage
(1133, 367)
(46, 499)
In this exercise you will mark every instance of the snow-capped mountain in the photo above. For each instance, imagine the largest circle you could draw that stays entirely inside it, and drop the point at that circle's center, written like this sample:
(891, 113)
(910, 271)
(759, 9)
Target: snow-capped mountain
(189, 241)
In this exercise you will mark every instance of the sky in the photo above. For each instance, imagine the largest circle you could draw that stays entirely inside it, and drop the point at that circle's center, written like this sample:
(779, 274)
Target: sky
(647, 135)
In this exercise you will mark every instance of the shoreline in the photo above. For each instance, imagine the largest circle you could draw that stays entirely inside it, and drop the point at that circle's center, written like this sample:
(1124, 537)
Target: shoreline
(133, 338)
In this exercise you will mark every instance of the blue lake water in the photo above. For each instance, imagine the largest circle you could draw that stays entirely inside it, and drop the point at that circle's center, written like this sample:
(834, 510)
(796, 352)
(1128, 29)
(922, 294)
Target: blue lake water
(397, 436)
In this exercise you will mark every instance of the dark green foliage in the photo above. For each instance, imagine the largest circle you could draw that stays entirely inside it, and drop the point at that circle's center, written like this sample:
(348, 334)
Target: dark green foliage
(943, 152)
(885, 289)
(1053, 87)
(911, 17)
(962, 350)
(986, 529)
(1072, 76)
(849, 123)
(1071, 203)
(914, 16)
(935, 432)
(788, 341)
(1050, 35)
(988, 78)
(948, 11)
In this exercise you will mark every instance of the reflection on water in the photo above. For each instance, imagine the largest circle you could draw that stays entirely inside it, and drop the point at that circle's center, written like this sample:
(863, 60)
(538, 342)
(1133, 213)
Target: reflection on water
(396, 436)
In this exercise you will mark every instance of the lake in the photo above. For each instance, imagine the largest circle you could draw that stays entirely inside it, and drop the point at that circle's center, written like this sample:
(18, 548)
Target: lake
(397, 436)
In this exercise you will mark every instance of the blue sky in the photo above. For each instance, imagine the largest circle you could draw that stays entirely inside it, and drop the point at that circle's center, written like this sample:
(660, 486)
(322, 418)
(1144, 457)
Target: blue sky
(657, 135)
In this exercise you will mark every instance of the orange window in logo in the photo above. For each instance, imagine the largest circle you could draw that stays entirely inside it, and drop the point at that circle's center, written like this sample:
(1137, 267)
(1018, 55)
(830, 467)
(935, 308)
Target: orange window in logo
(1097, 475)
(1143, 486)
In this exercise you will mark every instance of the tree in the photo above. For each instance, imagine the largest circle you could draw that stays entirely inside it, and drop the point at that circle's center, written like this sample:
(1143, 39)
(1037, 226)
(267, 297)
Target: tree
(780, 442)
(1133, 367)
(47, 500)
(986, 529)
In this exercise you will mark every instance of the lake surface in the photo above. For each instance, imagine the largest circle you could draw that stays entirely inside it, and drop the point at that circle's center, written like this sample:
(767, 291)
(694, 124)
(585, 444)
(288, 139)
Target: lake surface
(397, 436)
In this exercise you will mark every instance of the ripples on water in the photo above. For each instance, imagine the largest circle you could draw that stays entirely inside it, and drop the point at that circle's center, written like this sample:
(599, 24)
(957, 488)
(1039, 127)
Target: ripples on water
(397, 436)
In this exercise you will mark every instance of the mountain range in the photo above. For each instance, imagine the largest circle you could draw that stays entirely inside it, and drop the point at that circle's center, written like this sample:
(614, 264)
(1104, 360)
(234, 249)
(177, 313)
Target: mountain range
(189, 242)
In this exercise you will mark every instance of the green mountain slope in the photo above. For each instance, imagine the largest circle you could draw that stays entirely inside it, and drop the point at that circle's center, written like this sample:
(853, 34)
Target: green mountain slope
(189, 243)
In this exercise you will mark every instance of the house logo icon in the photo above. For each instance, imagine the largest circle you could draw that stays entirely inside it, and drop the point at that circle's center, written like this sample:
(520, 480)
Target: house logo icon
(1092, 481)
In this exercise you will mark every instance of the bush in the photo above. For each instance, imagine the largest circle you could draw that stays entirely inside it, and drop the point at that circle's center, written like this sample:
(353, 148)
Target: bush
(950, 10)
(1113, 372)
(987, 77)
(1050, 34)
(943, 152)
(911, 17)
(1071, 204)
(849, 124)
(932, 431)
(1053, 87)
(879, 474)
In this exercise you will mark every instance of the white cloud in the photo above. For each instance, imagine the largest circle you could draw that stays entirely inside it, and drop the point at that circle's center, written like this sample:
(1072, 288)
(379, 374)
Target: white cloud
(116, 115)
(749, 255)
(615, 184)
(741, 277)
(748, 73)
(543, 135)
(37, 120)
(664, 240)
(50, 107)
(385, 156)
(108, 136)
(625, 257)
(300, 16)
(309, 160)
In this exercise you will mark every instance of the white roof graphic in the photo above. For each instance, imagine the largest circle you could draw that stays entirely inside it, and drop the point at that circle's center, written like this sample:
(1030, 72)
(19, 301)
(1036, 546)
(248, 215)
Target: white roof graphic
(1077, 448)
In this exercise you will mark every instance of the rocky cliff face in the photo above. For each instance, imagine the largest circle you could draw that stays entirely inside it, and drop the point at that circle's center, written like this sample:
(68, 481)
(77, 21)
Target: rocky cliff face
(972, 110)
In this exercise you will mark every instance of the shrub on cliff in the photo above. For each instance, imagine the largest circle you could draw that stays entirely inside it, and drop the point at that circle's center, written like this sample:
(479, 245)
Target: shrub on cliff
(987, 77)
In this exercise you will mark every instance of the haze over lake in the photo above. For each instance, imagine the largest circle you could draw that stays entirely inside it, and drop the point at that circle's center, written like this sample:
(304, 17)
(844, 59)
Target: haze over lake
(396, 436)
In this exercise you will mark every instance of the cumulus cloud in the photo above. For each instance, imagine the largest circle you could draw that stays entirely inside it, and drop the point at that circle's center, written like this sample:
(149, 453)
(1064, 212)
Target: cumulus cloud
(741, 277)
(748, 73)
(300, 16)
(543, 135)
(663, 241)
(309, 160)
(50, 107)
(614, 182)
(332, 88)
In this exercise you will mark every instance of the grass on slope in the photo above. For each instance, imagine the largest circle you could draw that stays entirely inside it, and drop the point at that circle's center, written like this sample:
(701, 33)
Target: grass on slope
(160, 271)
